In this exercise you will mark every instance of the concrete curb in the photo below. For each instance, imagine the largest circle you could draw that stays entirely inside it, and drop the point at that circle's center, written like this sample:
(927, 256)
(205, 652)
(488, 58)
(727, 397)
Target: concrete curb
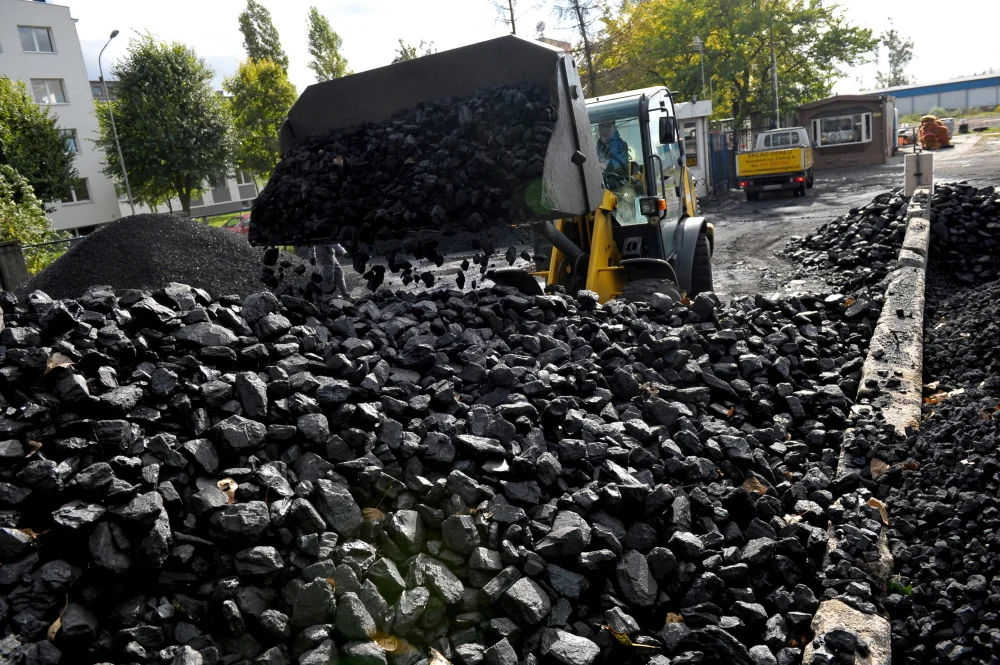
(892, 376)
(872, 628)
(892, 383)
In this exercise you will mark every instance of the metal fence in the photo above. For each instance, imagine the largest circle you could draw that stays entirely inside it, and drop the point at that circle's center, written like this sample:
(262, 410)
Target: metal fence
(55, 247)
(725, 142)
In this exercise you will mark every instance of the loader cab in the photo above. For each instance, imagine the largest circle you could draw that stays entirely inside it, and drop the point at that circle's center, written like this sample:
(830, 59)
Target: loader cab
(644, 122)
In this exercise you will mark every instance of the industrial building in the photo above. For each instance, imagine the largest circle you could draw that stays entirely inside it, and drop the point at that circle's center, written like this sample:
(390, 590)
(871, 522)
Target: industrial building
(963, 93)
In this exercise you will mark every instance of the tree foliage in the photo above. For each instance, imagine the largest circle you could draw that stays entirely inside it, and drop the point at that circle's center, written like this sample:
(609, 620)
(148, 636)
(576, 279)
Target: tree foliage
(650, 43)
(899, 53)
(261, 95)
(23, 219)
(172, 126)
(260, 37)
(410, 52)
(582, 16)
(324, 47)
(32, 143)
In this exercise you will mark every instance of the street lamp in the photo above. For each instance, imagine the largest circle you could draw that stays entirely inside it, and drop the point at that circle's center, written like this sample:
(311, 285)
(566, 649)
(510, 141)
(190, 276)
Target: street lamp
(698, 44)
(111, 113)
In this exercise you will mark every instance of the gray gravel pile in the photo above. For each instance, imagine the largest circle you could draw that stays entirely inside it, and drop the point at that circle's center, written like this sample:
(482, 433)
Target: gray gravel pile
(495, 478)
(150, 251)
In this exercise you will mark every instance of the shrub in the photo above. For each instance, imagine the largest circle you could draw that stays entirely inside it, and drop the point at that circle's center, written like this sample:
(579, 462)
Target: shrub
(23, 219)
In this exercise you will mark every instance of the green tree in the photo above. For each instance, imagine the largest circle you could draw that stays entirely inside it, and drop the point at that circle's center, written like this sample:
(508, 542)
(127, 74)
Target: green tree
(172, 126)
(581, 15)
(410, 52)
(650, 43)
(260, 98)
(324, 47)
(260, 37)
(32, 143)
(23, 219)
(899, 53)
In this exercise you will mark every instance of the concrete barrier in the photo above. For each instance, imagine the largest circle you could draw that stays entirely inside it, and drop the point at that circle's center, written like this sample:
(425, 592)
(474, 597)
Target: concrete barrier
(13, 272)
(874, 630)
(892, 376)
(892, 384)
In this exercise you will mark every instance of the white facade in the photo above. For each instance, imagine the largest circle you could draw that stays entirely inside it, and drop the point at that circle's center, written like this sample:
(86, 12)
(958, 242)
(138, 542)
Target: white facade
(236, 194)
(692, 124)
(39, 45)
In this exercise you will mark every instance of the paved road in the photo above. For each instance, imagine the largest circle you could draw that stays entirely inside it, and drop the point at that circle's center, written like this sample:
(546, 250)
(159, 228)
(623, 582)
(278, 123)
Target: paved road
(749, 234)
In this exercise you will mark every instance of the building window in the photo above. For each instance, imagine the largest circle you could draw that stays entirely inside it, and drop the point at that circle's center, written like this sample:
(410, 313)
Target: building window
(197, 201)
(843, 129)
(35, 40)
(243, 177)
(79, 192)
(48, 91)
(691, 144)
(97, 90)
(72, 143)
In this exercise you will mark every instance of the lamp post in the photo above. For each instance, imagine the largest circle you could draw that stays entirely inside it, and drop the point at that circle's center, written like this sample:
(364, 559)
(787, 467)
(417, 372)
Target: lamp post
(774, 75)
(698, 45)
(111, 114)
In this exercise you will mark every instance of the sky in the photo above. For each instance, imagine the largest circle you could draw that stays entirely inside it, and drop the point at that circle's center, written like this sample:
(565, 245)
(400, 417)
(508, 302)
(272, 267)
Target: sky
(945, 46)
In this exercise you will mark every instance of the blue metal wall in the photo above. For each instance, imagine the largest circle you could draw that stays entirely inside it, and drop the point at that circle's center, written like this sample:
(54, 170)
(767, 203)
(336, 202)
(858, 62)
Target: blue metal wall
(958, 94)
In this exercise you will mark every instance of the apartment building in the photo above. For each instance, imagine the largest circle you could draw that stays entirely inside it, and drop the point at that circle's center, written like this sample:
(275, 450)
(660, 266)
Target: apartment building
(39, 45)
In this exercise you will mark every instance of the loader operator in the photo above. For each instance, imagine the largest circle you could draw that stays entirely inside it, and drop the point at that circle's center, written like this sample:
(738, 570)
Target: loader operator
(612, 151)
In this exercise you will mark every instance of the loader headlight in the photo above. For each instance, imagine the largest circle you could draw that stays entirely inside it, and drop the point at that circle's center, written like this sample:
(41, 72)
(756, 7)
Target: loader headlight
(651, 205)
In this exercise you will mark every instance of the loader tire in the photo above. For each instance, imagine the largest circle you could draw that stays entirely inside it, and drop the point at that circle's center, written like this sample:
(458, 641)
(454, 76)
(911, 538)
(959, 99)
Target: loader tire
(810, 179)
(753, 196)
(702, 277)
(642, 290)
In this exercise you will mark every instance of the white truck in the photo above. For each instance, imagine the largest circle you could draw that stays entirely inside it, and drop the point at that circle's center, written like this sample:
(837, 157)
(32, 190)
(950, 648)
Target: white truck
(781, 159)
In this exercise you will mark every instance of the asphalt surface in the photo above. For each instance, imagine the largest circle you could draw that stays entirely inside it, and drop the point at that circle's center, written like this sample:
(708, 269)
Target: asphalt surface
(749, 235)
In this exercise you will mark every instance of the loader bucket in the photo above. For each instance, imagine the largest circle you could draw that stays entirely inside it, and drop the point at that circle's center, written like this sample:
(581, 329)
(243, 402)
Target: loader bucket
(570, 183)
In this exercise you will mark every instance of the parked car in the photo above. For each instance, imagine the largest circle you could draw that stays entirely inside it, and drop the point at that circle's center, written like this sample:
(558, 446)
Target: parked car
(239, 224)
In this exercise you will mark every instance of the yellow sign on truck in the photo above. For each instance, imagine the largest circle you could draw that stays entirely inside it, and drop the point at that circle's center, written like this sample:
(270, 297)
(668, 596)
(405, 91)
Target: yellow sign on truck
(781, 159)
(770, 162)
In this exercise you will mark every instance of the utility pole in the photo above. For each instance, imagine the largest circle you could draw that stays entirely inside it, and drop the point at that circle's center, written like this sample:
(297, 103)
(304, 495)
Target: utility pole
(699, 46)
(774, 75)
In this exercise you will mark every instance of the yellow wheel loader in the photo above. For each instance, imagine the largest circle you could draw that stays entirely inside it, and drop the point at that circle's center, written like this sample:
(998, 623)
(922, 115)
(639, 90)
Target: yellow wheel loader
(613, 211)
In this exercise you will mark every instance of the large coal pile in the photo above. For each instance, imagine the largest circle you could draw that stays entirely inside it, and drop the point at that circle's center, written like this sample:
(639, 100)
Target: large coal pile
(450, 165)
(860, 248)
(857, 249)
(942, 485)
(965, 231)
(151, 251)
(492, 476)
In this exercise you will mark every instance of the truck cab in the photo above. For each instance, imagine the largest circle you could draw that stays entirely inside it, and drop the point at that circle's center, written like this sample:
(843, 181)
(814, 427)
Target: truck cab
(789, 137)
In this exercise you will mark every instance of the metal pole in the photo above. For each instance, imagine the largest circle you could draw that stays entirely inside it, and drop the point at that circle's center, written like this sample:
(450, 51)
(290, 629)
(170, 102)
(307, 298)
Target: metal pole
(702, 58)
(774, 75)
(111, 114)
(699, 46)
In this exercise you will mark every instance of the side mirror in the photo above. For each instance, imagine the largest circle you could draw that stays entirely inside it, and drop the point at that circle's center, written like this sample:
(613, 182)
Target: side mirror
(668, 129)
